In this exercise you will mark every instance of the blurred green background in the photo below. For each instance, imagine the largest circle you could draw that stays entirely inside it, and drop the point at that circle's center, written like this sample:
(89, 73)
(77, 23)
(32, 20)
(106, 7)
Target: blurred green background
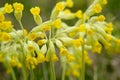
(105, 65)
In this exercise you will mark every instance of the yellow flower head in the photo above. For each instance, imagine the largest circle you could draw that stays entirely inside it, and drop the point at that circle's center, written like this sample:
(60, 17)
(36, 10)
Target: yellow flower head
(35, 10)
(79, 14)
(40, 42)
(81, 28)
(101, 18)
(40, 58)
(90, 32)
(108, 37)
(77, 42)
(2, 17)
(18, 7)
(30, 48)
(55, 58)
(97, 8)
(97, 47)
(5, 36)
(69, 3)
(60, 6)
(46, 28)
(63, 51)
(8, 8)
(6, 25)
(32, 36)
(104, 2)
(67, 11)
(70, 58)
(57, 23)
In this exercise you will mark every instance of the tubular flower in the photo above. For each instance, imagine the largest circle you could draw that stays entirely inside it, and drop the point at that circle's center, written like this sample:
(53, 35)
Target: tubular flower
(32, 36)
(60, 6)
(69, 3)
(8, 8)
(104, 2)
(101, 18)
(81, 28)
(79, 14)
(63, 51)
(18, 7)
(77, 42)
(97, 8)
(57, 23)
(35, 10)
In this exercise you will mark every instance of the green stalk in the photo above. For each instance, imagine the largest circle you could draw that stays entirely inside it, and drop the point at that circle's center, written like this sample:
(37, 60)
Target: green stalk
(21, 25)
(44, 72)
(52, 71)
(31, 73)
(24, 73)
(83, 64)
(13, 73)
(63, 72)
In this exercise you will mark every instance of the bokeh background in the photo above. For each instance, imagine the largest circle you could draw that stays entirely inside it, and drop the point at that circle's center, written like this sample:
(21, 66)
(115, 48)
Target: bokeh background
(105, 65)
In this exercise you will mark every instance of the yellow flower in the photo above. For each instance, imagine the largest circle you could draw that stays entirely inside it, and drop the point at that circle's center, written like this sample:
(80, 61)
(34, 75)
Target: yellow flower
(69, 3)
(107, 45)
(55, 58)
(97, 8)
(70, 58)
(63, 51)
(79, 14)
(75, 73)
(57, 23)
(104, 2)
(8, 8)
(19, 65)
(5, 36)
(35, 10)
(18, 7)
(67, 11)
(13, 61)
(97, 47)
(90, 32)
(81, 28)
(101, 18)
(32, 36)
(41, 42)
(40, 58)
(60, 6)
(71, 34)
(30, 48)
(77, 42)
(2, 17)
(108, 37)
(46, 28)
(6, 25)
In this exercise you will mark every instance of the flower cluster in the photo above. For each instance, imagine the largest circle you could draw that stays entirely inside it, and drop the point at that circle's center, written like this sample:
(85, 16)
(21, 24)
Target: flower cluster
(54, 40)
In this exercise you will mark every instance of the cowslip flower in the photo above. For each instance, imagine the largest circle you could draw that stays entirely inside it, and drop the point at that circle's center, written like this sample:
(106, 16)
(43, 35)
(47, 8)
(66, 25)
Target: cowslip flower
(35, 10)
(60, 6)
(18, 7)
(8, 8)
(97, 8)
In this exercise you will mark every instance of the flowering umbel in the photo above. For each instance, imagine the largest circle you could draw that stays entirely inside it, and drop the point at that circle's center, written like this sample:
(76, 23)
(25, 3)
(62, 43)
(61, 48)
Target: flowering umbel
(54, 40)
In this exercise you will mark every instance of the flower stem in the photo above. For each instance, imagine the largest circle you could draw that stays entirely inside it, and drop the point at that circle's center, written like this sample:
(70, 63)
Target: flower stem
(52, 71)
(13, 73)
(21, 25)
(63, 72)
(83, 64)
